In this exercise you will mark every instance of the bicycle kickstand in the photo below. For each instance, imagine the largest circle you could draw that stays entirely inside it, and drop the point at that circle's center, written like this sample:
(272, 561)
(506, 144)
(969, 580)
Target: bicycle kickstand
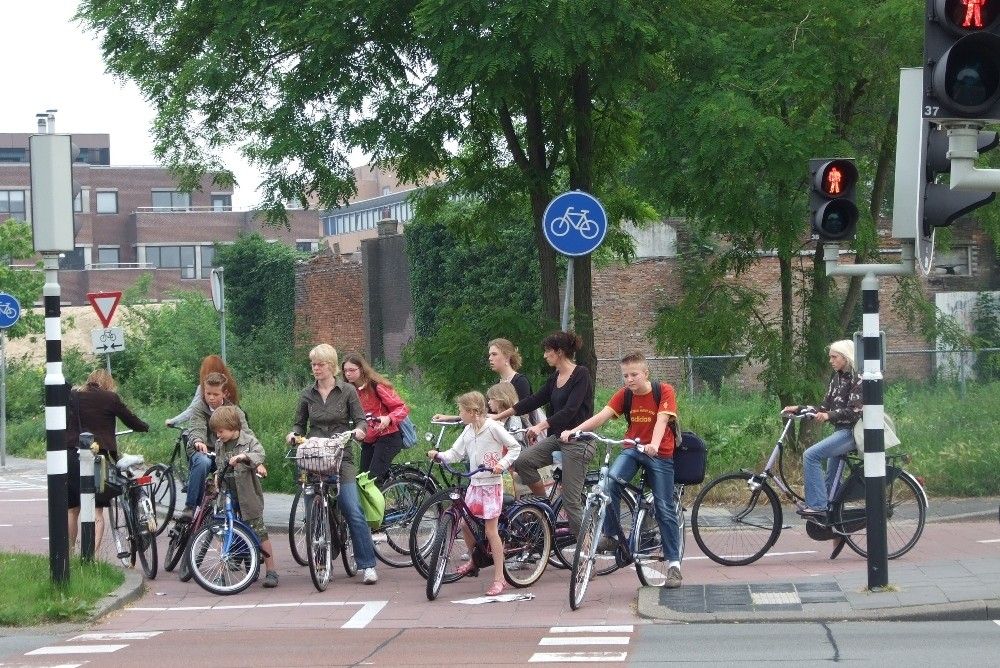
(841, 542)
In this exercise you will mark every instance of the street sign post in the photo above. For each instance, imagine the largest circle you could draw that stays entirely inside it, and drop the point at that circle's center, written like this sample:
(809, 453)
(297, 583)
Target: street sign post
(574, 224)
(10, 313)
(104, 304)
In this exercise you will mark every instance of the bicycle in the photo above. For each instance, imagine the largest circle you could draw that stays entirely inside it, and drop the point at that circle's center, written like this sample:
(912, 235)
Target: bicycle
(587, 227)
(165, 480)
(225, 555)
(642, 547)
(321, 525)
(737, 517)
(180, 534)
(130, 512)
(525, 530)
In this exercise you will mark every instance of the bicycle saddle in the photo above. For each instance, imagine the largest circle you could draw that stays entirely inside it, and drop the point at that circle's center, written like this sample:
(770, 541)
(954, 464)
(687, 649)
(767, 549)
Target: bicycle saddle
(128, 461)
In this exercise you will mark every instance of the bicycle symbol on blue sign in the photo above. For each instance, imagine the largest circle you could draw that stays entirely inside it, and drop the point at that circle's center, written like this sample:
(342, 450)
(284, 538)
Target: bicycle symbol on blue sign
(10, 310)
(575, 223)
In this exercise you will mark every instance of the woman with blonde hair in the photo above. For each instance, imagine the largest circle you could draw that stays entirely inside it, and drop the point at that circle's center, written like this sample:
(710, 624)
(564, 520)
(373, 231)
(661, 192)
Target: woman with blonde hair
(94, 406)
(384, 409)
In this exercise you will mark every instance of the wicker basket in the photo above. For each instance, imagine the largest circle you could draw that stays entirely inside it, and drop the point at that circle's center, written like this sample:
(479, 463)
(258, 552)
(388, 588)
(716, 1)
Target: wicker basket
(322, 455)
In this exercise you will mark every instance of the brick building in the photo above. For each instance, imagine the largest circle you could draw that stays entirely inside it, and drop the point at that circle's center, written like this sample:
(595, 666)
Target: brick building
(134, 220)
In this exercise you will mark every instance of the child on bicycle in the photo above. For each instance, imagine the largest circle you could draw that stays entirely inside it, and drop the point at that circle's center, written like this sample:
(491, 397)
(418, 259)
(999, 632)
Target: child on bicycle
(649, 423)
(482, 441)
(244, 453)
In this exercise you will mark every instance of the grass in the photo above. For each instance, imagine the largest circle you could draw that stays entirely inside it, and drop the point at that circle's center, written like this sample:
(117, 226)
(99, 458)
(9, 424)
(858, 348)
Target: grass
(953, 440)
(30, 597)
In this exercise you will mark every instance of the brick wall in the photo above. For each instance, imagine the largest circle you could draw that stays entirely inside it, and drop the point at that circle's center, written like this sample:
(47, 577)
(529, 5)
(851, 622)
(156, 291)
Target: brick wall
(329, 303)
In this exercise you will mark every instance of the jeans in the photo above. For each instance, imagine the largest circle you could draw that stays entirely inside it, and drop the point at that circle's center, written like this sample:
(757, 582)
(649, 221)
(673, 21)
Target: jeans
(350, 507)
(575, 457)
(201, 466)
(832, 449)
(660, 476)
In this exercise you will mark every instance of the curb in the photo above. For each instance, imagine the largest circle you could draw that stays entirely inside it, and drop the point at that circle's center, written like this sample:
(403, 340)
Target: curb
(130, 590)
(648, 607)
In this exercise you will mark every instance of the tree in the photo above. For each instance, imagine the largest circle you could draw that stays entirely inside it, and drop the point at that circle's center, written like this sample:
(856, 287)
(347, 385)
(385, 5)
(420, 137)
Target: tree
(543, 94)
(728, 137)
(23, 283)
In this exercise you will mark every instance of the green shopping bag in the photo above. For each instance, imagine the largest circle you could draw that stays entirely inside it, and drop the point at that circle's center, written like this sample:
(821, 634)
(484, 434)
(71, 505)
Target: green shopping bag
(372, 501)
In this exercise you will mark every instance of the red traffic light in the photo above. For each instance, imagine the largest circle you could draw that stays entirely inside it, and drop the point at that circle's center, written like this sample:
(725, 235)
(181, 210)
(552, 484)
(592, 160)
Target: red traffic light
(836, 178)
(967, 16)
(832, 207)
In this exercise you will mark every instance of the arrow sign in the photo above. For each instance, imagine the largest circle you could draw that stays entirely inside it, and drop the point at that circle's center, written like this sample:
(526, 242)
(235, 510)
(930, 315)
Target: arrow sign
(106, 341)
(104, 304)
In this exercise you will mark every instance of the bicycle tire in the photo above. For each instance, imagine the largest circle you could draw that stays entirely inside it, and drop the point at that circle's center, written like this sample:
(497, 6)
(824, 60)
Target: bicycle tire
(647, 549)
(586, 553)
(563, 542)
(164, 495)
(403, 498)
(145, 541)
(297, 529)
(318, 542)
(218, 573)
(346, 545)
(142, 531)
(120, 541)
(906, 514)
(180, 466)
(440, 553)
(422, 532)
(176, 546)
(605, 564)
(527, 542)
(730, 521)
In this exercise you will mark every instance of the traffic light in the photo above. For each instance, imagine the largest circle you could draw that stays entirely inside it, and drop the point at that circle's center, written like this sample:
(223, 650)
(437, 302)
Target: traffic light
(942, 205)
(832, 208)
(962, 60)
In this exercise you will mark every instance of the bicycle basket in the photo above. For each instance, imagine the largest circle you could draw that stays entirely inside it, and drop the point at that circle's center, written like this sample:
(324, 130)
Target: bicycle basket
(322, 455)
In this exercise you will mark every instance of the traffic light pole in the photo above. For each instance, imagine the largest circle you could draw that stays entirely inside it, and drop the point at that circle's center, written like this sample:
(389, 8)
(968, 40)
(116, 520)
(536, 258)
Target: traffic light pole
(963, 149)
(873, 415)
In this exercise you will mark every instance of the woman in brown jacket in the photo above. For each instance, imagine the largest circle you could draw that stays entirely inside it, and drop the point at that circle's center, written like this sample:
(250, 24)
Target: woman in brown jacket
(94, 407)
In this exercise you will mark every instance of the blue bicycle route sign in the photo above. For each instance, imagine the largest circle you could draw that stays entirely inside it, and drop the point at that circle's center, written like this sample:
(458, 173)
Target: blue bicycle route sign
(10, 310)
(575, 223)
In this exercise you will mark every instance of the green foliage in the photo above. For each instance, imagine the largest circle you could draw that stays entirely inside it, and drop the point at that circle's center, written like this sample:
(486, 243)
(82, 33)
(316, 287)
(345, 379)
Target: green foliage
(260, 306)
(26, 383)
(24, 284)
(986, 326)
(30, 597)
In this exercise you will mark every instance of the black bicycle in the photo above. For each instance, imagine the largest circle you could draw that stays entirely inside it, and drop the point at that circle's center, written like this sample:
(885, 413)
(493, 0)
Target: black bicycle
(131, 516)
(165, 477)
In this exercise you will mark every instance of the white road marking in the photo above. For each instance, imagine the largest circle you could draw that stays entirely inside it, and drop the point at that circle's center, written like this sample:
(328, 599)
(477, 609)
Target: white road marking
(359, 620)
(573, 657)
(135, 635)
(991, 540)
(626, 628)
(20, 500)
(586, 640)
(76, 649)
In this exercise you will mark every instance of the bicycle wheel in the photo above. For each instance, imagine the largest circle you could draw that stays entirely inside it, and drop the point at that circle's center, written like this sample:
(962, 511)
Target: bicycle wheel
(297, 529)
(735, 519)
(318, 542)
(647, 548)
(118, 524)
(905, 515)
(178, 538)
(422, 535)
(346, 544)
(403, 498)
(163, 495)
(440, 554)
(143, 540)
(564, 543)
(586, 552)
(223, 562)
(527, 543)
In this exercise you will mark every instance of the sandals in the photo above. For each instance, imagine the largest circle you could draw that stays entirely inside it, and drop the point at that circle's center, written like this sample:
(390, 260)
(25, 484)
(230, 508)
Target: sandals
(468, 568)
(497, 588)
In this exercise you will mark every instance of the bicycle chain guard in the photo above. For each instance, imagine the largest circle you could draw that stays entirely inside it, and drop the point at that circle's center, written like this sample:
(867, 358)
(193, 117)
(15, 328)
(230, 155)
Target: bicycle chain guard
(819, 531)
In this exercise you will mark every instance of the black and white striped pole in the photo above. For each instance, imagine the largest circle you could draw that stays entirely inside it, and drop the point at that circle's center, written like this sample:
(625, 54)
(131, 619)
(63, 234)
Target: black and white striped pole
(86, 497)
(52, 234)
(874, 445)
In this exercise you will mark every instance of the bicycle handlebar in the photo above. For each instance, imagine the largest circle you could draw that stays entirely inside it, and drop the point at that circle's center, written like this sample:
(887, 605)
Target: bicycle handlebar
(446, 423)
(803, 413)
(590, 435)
(123, 432)
(463, 474)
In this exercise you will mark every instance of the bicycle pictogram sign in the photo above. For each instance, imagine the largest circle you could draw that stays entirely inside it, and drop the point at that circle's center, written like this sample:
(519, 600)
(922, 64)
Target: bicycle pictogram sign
(10, 310)
(575, 223)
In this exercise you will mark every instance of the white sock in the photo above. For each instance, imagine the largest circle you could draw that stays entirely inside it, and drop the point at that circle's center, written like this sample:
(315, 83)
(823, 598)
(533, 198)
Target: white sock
(674, 564)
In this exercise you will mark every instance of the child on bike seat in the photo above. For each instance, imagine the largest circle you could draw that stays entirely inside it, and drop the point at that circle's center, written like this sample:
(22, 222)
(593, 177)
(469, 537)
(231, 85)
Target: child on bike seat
(482, 441)
(244, 453)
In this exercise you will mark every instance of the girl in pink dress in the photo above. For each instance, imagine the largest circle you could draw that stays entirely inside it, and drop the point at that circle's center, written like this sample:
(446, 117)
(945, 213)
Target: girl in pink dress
(482, 442)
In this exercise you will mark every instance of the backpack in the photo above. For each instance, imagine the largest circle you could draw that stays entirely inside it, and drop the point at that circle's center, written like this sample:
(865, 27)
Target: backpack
(409, 432)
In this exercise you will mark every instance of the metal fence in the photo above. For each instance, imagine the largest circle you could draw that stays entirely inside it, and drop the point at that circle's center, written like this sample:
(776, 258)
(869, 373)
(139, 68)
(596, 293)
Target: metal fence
(932, 365)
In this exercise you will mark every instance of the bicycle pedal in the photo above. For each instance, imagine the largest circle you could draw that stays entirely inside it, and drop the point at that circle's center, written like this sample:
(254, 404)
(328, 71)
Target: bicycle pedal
(123, 555)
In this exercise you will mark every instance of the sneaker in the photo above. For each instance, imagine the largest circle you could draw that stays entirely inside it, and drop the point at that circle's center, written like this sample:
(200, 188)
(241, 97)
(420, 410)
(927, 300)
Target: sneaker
(607, 545)
(186, 515)
(271, 579)
(673, 578)
(370, 577)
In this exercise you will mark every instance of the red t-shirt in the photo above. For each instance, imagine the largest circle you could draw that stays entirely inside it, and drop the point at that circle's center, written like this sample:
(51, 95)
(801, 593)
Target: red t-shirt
(643, 415)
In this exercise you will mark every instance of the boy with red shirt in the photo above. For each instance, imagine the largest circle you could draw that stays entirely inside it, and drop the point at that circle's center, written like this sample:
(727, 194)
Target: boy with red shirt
(654, 427)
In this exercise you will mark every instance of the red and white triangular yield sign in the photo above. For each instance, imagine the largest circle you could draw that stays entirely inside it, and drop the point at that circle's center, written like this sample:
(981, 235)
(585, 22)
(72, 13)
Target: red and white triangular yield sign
(104, 304)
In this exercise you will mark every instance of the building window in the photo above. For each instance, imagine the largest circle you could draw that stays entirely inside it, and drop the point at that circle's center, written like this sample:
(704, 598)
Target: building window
(957, 261)
(107, 257)
(207, 261)
(12, 205)
(107, 202)
(13, 154)
(171, 257)
(307, 246)
(171, 200)
(222, 202)
(74, 260)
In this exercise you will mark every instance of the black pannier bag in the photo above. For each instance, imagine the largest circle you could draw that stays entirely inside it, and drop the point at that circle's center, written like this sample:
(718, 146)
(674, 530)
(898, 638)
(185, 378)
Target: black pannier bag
(690, 460)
